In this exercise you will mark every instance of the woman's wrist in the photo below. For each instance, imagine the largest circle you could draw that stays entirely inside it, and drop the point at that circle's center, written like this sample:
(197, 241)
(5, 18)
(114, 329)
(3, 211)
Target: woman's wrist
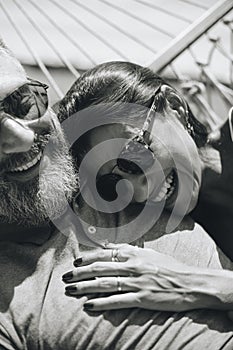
(209, 288)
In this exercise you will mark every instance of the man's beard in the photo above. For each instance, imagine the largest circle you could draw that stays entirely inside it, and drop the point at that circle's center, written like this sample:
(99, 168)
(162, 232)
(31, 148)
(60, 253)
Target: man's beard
(45, 197)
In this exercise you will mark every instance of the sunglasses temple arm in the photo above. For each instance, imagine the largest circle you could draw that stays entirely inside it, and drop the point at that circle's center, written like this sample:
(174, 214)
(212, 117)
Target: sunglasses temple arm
(151, 113)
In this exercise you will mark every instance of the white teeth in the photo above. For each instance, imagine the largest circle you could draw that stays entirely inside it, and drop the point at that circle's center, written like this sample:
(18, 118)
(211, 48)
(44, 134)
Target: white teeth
(169, 180)
(29, 164)
(170, 192)
(161, 194)
(167, 188)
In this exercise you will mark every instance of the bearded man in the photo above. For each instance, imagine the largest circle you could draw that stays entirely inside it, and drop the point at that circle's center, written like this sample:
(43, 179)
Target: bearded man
(35, 187)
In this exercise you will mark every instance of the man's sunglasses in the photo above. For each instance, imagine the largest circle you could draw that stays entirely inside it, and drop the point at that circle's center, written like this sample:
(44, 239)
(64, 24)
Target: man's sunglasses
(28, 101)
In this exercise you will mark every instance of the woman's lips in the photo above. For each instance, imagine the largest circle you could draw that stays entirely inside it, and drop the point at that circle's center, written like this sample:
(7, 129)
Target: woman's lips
(166, 190)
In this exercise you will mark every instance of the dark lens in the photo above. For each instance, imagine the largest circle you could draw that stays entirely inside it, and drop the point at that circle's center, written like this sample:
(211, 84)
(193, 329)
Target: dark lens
(129, 167)
(28, 100)
(135, 158)
(41, 96)
(18, 103)
(40, 100)
(106, 186)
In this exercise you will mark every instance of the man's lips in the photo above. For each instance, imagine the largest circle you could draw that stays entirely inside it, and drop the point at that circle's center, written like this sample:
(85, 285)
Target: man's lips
(25, 170)
(27, 165)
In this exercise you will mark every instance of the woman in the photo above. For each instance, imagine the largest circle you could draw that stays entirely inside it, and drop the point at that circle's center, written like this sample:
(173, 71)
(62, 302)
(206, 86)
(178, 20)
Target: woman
(136, 127)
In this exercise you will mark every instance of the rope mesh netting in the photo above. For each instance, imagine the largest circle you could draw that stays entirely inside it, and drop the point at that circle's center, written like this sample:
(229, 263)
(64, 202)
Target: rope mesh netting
(187, 41)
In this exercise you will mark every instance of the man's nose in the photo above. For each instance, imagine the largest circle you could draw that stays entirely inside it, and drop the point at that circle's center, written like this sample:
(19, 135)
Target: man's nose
(15, 136)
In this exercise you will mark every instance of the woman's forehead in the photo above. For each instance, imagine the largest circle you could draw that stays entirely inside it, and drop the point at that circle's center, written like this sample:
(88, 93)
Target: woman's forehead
(113, 130)
(131, 123)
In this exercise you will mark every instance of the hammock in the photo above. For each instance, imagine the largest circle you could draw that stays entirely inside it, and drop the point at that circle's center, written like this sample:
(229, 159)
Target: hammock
(187, 41)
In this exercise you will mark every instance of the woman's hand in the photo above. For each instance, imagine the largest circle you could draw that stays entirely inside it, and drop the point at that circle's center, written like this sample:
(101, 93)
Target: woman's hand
(136, 277)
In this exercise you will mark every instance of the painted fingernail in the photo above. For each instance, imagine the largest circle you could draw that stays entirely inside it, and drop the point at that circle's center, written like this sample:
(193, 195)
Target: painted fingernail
(88, 306)
(71, 289)
(67, 276)
(78, 262)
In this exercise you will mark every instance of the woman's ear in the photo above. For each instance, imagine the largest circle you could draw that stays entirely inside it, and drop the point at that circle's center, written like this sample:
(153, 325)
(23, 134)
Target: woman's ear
(179, 113)
(176, 103)
(183, 114)
(182, 111)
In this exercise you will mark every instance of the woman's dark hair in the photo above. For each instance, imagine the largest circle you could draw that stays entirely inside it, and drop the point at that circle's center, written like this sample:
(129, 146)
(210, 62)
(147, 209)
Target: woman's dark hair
(114, 82)
(109, 83)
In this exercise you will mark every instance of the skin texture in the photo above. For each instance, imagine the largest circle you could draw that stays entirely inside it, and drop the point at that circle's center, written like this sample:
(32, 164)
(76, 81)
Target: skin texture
(173, 148)
(28, 195)
(148, 279)
(173, 142)
(12, 77)
(18, 138)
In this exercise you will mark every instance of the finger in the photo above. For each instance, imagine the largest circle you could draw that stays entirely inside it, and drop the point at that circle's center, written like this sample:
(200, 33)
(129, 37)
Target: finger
(89, 258)
(108, 254)
(112, 302)
(97, 269)
(126, 248)
(103, 285)
(116, 246)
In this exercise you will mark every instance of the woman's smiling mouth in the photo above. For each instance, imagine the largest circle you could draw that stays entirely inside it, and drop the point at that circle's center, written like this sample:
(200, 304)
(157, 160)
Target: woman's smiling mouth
(167, 190)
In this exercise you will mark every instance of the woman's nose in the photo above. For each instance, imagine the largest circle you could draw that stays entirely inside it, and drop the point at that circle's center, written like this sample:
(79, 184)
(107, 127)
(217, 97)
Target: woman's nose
(15, 136)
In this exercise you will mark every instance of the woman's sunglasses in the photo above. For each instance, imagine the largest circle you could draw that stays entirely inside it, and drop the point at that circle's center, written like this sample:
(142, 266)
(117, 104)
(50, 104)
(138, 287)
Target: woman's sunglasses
(137, 156)
(30, 99)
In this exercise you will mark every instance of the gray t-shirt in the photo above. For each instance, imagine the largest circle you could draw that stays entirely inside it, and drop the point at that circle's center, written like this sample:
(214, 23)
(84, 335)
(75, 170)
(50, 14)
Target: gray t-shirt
(35, 313)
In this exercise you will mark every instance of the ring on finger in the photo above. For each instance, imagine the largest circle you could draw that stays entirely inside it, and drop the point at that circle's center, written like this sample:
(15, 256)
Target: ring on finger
(119, 288)
(115, 253)
(35, 137)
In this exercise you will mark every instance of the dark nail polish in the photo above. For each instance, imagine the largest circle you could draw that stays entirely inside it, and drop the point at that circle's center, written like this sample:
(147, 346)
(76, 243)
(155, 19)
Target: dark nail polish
(67, 276)
(71, 289)
(78, 262)
(88, 306)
